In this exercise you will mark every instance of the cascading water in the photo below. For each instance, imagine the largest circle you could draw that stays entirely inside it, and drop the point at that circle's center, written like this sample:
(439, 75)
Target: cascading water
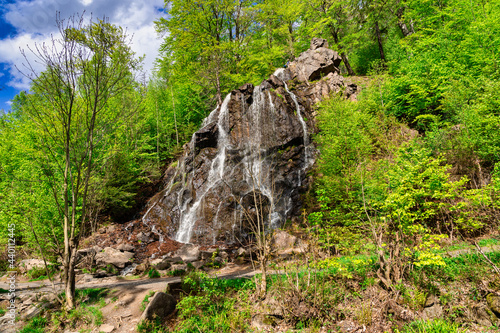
(255, 147)
(304, 127)
(189, 216)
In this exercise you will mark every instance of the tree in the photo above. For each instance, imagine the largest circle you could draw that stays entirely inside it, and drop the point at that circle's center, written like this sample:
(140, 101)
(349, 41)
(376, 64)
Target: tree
(200, 39)
(85, 67)
(333, 19)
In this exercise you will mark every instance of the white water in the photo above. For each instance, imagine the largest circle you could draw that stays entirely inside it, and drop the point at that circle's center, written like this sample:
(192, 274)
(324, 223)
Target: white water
(304, 128)
(255, 166)
(189, 216)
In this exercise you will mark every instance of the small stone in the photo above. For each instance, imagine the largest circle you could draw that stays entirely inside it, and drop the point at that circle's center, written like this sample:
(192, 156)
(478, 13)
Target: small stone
(241, 252)
(143, 238)
(433, 312)
(431, 300)
(106, 328)
(125, 247)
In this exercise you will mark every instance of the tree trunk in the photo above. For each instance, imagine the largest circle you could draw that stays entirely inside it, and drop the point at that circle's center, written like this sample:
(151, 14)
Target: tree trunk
(401, 23)
(350, 71)
(263, 278)
(219, 93)
(379, 40)
(70, 284)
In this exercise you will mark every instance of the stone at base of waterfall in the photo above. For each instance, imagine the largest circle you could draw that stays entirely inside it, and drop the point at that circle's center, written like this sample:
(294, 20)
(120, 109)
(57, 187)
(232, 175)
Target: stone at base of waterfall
(28, 264)
(144, 237)
(141, 268)
(207, 254)
(114, 257)
(161, 305)
(161, 264)
(106, 328)
(282, 243)
(188, 252)
(124, 247)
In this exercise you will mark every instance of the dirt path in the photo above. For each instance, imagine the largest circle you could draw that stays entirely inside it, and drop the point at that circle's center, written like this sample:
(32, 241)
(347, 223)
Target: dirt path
(125, 297)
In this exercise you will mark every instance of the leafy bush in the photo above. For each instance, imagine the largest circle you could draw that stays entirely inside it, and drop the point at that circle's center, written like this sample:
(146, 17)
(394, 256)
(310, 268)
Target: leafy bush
(153, 273)
(213, 305)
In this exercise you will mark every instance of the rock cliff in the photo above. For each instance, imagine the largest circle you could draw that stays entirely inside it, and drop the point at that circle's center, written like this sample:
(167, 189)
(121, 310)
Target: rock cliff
(250, 158)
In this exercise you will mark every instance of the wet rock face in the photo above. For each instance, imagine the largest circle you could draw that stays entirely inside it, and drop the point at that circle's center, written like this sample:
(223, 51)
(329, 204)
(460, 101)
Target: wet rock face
(249, 160)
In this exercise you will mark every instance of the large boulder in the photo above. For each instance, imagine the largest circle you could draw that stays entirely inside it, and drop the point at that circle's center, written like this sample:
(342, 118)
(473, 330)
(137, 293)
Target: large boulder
(29, 264)
(110, 256)
(314, 63)
(188, 253)
(161, 305)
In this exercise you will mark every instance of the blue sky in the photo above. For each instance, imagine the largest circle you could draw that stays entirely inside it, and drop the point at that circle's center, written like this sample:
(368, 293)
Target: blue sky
(24, 23)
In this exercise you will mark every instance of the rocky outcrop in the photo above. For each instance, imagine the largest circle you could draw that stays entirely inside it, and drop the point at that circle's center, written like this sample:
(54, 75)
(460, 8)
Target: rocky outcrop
(316, 62)
(110, 256)
(250, 159)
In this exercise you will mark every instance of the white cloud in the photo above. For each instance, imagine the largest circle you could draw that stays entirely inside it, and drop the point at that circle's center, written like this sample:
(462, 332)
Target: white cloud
(35, 21)
(10, 53)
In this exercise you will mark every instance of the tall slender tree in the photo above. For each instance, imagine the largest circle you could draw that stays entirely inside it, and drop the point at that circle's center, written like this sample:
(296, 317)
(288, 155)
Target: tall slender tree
(86, 66)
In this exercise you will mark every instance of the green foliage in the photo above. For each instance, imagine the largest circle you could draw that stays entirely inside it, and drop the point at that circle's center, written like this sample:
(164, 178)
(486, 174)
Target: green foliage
(176, 272)
(39, 273)
(36, 325)
(432, 326)
(211, 304)
(155, 326)
(145, 301)
(153, 273)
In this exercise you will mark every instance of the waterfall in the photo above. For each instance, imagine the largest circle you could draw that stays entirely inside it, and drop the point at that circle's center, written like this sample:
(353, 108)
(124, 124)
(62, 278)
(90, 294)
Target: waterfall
(304, 127)
(216, 173)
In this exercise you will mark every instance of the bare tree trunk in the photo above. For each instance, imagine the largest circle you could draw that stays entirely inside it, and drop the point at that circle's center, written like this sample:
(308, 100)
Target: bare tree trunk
(347, 65)
(70, 285)
(402, 24)
(379, 40)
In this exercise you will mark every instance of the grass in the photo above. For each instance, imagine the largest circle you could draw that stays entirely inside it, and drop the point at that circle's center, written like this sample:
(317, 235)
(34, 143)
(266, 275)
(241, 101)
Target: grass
(36, 325)
(431, 326)
(145, 301)
(153, 273)
(87, 314)
(152, 327)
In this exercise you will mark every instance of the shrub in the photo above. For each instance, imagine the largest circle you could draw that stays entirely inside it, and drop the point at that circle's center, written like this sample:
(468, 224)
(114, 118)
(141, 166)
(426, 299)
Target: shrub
(153, 273)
